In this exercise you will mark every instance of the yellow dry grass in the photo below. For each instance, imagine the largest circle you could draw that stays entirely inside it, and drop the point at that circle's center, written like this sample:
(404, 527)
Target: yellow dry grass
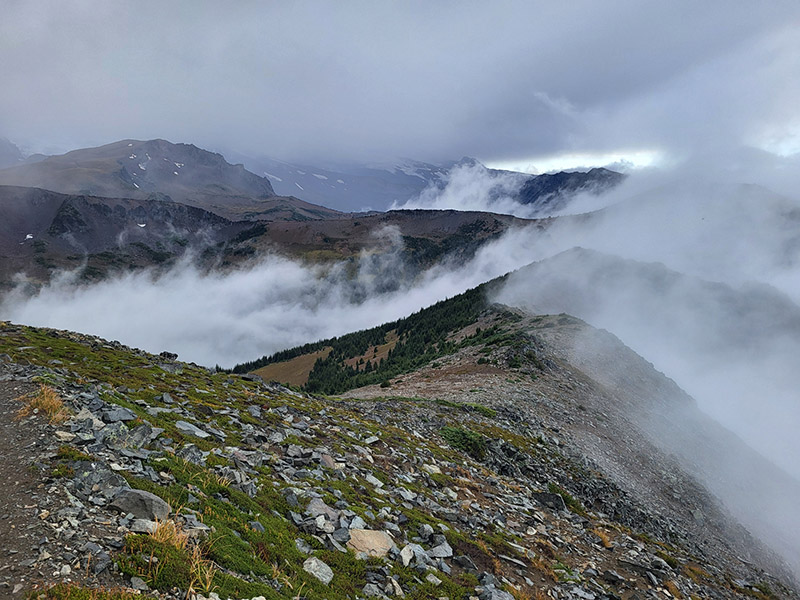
(673, 589)
(171, 533)
(46, 401)
(294, 371)
(604, 537)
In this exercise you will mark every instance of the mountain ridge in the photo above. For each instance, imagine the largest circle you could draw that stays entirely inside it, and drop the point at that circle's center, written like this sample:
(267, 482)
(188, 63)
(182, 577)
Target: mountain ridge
(157, 169)
(444, 496)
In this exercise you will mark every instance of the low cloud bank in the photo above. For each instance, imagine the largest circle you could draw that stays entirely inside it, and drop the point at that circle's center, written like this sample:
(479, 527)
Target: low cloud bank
(227, 318)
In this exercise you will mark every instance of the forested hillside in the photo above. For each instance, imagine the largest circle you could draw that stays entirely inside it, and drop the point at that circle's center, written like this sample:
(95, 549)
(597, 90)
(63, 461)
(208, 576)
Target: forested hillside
(421, 338)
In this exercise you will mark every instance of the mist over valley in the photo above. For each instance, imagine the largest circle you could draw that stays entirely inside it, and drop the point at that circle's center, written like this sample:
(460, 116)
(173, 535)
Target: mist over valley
(415, 321)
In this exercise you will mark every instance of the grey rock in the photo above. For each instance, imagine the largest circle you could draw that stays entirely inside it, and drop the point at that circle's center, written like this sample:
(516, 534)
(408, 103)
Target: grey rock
(373, 591)
(97, 481)
(441, 551)
(371, 479)
(318, 507)
(257, 526)
(358, 523)
(191, 453)
(118, 413)
(138, 584)
(142, 526)
(190, 429)
(613, 577)
(341, 535)
(431, 578)
(490, 592)
(551, 501)
(100, 563)
(141, 504)
(318, 569)
(413, 552)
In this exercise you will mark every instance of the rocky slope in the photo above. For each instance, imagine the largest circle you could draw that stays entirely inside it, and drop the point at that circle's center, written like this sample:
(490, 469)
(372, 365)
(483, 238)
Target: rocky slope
(43, 232)
(164, 477)
(551, 192)
(481, 454)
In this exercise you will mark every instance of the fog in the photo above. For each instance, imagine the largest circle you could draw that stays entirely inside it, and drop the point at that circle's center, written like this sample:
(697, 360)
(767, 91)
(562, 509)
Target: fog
(307, 80)
(695, 272)
(273, 304)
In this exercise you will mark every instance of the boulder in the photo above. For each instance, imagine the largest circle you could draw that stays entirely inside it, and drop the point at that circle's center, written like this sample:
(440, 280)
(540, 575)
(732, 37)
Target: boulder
(118, 413)
(318, 569)
(318, 507)
(411, 552)
(370, 541)
(552, 501)
(141, 504)
(443, 550)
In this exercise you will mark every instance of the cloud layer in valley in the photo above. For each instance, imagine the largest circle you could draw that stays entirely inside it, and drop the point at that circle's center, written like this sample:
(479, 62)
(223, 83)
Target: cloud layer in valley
(226, 318)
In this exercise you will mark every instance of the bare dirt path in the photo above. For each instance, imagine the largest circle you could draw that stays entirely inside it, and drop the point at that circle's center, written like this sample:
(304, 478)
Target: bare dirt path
(23, 444)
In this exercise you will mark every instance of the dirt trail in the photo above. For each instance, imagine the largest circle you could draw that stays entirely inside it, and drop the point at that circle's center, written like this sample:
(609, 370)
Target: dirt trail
(23, 444)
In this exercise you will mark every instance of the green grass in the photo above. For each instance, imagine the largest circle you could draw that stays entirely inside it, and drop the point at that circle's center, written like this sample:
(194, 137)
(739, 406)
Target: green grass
(470, 442)
(70, 591)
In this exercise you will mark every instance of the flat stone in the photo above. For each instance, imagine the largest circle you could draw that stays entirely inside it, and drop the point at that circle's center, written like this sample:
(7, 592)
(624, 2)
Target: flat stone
(318, 507)
(185, 427)
(142, 526)
(370, 541)
(318, 569)
(411, 552)
(431, 578)
(371, 479)
(441, 551)
(141, 504)
(64, 436)
(118, 413)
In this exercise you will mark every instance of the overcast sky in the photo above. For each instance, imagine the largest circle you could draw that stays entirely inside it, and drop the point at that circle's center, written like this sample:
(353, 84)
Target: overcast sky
(509, 82)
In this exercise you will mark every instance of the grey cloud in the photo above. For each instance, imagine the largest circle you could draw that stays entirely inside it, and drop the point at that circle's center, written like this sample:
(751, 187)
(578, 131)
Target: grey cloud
(428, 80)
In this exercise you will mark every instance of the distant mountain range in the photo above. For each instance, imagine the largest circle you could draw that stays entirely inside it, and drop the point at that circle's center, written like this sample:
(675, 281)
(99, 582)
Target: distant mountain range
(134, 204)
(10, 155)
(379, 187)
(160, 170)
